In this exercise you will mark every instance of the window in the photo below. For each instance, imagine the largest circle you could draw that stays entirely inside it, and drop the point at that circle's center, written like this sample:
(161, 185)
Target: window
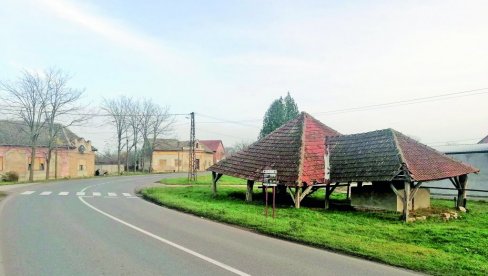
(197, 164)
(39, 162)
(81, 165)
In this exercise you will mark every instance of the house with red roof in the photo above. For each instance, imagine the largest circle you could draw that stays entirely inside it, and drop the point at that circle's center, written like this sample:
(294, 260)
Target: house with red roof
(217, 147)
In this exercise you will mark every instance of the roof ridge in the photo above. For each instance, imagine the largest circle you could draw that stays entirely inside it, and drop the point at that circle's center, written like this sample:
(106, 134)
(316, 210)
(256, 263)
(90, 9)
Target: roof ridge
(399, 149)
(302, 149)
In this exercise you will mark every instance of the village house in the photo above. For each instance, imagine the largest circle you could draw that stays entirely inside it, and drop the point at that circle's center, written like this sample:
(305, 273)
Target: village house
(217, 147)
(171, 155)
(72, 157)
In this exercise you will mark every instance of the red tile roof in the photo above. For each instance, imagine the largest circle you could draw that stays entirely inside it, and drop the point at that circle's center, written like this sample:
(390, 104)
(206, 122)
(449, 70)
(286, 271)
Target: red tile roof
(484, 140)
(296, 150)
(384, 155)
(425, 163)
(212, 144)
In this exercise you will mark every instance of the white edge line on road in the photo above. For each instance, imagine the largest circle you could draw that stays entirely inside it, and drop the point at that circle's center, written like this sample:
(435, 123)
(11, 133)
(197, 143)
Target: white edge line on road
(189, 251)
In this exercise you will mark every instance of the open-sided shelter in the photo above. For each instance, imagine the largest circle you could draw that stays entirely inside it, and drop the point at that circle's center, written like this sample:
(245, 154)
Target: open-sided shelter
(296, 150)
(388, 158)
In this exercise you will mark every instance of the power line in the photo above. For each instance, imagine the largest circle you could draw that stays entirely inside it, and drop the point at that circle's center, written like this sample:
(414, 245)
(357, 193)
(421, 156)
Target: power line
(465, 93)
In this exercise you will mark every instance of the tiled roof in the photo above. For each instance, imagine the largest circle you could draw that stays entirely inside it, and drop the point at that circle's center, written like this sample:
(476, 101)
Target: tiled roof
(383, 155)
(212, 144)
(484, 140)
(175, 145)
(15, 133)
(296, 150)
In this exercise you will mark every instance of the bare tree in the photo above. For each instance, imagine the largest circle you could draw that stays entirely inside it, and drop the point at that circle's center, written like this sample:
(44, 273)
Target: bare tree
(116, 108)
(162, 122)
(147, 111)
(62, 102)
(28, 97)
(238, 146)
(134, 123)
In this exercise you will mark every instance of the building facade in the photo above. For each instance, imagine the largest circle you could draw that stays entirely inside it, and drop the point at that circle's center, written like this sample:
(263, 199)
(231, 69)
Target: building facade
(171, 155)
(217, 147)
(72, 156)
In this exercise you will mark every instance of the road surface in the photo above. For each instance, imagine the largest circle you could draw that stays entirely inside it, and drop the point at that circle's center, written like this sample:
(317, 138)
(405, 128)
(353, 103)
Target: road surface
(98, 227)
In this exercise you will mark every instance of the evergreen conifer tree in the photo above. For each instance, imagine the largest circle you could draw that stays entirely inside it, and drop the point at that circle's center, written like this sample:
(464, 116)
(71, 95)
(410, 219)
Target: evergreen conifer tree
(279, 112)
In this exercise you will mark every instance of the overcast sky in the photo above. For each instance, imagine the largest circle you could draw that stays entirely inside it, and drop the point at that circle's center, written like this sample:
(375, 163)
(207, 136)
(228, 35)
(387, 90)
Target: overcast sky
(228, 60)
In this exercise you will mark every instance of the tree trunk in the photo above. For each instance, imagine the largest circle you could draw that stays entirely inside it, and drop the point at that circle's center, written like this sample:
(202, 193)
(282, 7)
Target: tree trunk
(33, 161)
(56, 165)
(151, 163)
(119, 149)
(48, 162)
(135, 157)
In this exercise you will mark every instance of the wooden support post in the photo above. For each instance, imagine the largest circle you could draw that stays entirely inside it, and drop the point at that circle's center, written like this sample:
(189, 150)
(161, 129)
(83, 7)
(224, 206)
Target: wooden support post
(406, 201)
(250, 184)
(215, 178)
(348, 195)
(298, 193)
(327, 196)
(462, 182)
(328, 191)
(292, 194)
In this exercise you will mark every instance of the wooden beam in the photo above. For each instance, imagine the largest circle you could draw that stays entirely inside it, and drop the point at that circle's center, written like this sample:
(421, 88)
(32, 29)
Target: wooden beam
(406, 200)
(329, 189)
(215, 178)
(454, 182)
(298, 192)
(292, 194)
(396, 191)
(415, 189)
(463, 182)
(250, 184)
(307, 191)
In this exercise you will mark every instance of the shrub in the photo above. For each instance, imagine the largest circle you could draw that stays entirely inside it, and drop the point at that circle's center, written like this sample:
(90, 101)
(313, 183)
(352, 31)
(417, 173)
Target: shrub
(10, 176)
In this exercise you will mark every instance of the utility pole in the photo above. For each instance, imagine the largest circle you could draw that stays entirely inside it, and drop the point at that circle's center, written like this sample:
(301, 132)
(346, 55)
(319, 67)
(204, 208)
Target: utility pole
(192, 176)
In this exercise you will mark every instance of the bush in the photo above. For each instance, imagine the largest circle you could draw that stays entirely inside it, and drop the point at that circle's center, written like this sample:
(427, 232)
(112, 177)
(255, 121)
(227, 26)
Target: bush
(10, 176)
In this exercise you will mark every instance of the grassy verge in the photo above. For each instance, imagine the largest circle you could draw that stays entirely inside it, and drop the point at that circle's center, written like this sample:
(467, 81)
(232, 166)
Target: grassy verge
(7, 183)
(458, 247)
(204, 180)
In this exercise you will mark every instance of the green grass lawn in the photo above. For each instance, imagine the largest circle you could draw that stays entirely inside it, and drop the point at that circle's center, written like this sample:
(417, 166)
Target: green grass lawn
(457, 247)
(204, 180)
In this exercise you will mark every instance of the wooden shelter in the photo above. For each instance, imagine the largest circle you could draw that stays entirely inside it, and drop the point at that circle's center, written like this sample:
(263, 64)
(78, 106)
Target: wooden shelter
(296, 150)
(388, 157)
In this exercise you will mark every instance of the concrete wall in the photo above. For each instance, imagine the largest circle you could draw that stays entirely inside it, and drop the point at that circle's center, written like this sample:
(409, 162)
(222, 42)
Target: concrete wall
(380, 196)
(475, 181)
(109, 168)
(177, 161)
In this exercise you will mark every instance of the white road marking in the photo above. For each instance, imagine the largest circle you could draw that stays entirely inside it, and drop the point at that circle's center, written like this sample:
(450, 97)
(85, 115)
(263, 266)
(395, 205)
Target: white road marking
(80, 193)
(46, 193)
(125, 194)
(28, 192)
(63, 193)
(112, 194)
(189, 251)
(96, 194)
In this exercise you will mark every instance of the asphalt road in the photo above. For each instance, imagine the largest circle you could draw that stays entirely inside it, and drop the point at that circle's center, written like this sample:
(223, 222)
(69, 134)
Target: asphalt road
(109, 231)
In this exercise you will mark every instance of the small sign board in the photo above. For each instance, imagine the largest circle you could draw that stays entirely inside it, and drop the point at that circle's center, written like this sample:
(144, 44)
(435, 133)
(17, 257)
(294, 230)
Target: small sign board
(269, 176)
